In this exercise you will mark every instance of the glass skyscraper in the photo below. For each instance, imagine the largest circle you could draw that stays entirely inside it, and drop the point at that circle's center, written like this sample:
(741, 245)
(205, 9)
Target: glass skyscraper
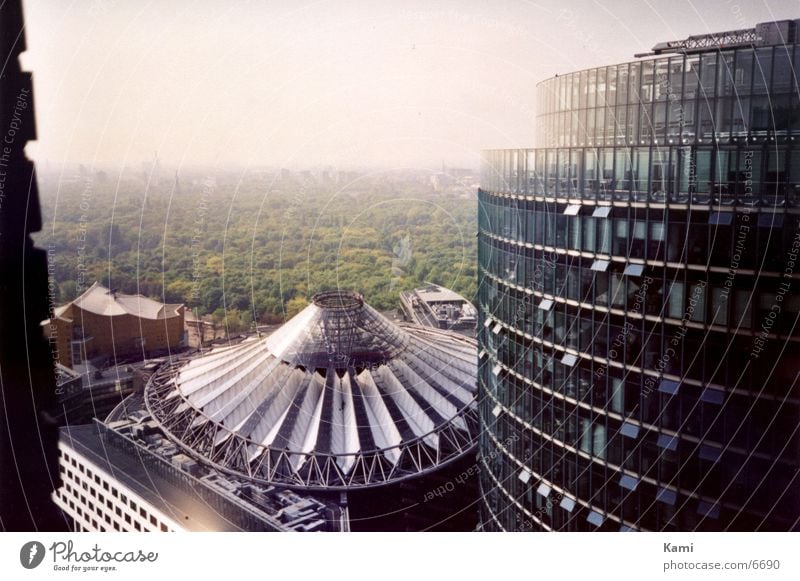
(639, 296)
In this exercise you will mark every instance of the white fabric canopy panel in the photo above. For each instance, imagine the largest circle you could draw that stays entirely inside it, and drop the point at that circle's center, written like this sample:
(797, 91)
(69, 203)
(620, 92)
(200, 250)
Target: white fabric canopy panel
(338, 397)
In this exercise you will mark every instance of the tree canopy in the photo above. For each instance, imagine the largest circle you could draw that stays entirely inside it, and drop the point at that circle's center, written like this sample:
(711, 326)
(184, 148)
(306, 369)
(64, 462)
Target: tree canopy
(255, 249)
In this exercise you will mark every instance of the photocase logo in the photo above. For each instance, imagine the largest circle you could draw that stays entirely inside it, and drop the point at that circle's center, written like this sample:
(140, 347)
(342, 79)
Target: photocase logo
(31, 554)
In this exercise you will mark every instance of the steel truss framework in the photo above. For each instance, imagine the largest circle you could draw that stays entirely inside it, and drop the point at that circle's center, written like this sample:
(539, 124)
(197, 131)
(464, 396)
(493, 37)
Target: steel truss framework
(699, 42)
(319, 471)
(248, 412)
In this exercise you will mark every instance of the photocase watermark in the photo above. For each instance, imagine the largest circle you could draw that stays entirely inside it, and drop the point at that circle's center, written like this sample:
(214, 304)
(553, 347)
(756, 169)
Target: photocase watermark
(83, 229)
(619, 341)
(550, 501)
(549, 261)
(65, 557)
(736, 11)
(675, 340)
(52, 286)
(6, 147)
(31, 554)
(771, 317)
(474, 470)
(450, 485)
(14, 126)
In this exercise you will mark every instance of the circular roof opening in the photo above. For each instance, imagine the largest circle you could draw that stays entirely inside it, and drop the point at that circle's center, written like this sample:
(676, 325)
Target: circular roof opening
(338, 300)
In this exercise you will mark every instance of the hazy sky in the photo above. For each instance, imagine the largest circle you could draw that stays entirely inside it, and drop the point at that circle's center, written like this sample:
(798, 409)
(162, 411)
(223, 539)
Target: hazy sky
(297, 83)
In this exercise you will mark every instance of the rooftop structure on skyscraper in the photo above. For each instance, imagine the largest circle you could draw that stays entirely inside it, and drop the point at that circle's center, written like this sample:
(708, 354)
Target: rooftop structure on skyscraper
(439, 307)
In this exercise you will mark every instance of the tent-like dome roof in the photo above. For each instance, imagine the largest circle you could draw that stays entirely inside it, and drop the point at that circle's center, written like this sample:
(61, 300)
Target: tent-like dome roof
(338, 397)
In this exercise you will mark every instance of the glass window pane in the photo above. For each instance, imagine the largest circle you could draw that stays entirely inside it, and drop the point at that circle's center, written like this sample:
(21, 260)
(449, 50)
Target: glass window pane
(675, 309)
(743, 77)
(697, 302)
(641, 173)
(708, 75)
(743, 308)
(725, 74)
(691, 77)
(762, 71)
(599, 444)
(719, 306)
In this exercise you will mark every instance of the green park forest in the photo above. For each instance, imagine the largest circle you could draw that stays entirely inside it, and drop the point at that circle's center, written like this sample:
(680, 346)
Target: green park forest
(244, 248)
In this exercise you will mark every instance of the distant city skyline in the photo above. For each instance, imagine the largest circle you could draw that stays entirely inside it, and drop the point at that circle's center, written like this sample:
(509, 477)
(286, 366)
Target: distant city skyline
(344, 84)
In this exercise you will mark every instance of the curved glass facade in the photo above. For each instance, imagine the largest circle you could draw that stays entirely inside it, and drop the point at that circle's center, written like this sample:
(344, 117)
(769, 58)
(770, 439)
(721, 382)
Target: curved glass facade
(639, 301)
(726, 95)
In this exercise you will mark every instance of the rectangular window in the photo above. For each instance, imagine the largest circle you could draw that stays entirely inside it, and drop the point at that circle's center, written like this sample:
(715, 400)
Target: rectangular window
(642, 174)
(667, 442)
(599, 443)
(704, 178)
(620, 236)
(546, 304)
(707, 509)
(719, 306)
(569, 359)
(668, 386)
(657, 243)
(604, 237)
(708, 75)
(720, 218)
(770, 220)
(617, 394)
(595, 518)
(628, 482)
(743, 75)
(589, 234)
(710, 453)
(711, 395)
(567, 503)
(586, 436)
(676, 300)
(618, 298)
(666, 496)
(601, 212)
(697, 303)
(575, 233)
(634, 270)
